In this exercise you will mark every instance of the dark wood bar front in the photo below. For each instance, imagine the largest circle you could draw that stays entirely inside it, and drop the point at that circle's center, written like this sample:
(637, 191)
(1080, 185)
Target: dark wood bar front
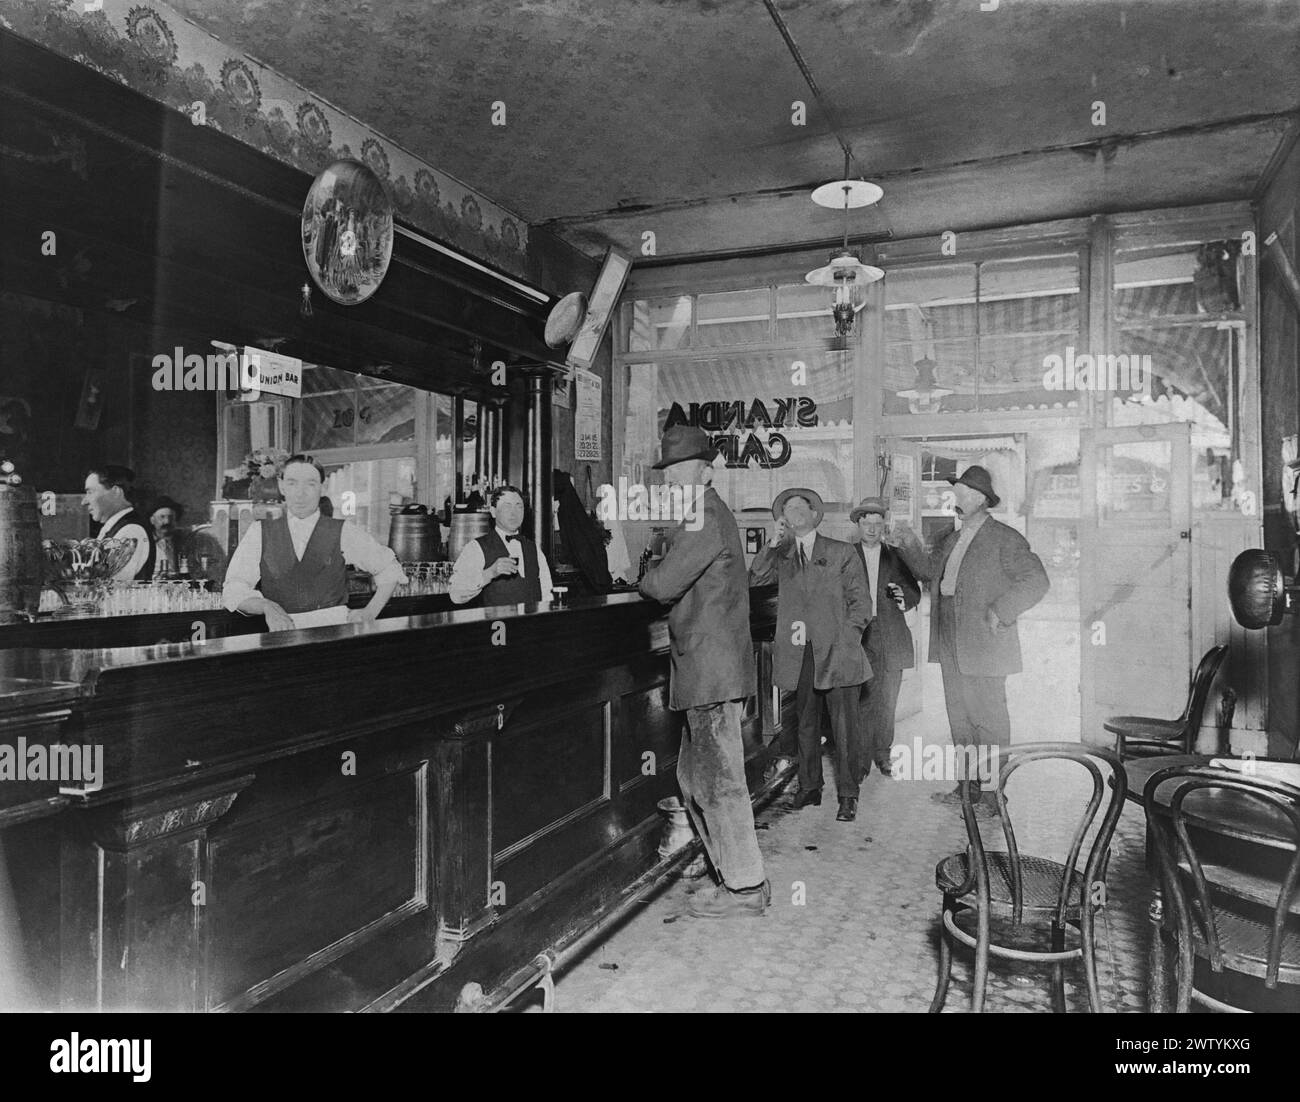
(344, 818)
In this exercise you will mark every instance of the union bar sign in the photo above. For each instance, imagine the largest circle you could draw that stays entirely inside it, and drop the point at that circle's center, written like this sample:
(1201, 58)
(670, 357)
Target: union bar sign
(717, 418)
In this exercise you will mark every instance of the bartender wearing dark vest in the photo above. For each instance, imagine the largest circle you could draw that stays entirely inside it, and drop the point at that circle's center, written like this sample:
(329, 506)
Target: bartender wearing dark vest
(300, 560)
(108, 490)
(503, 566)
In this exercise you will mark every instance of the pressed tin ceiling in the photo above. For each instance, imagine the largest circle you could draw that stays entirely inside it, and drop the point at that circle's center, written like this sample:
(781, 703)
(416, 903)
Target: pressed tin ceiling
(675, 116)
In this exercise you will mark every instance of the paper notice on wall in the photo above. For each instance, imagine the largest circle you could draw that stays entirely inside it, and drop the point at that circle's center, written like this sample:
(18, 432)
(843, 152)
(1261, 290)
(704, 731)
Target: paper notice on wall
(903, 488)
(586, 417)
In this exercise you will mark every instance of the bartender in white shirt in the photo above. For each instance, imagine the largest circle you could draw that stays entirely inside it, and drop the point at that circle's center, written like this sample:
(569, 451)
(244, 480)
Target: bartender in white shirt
(503, 566)
(108, 489)
(301, 561)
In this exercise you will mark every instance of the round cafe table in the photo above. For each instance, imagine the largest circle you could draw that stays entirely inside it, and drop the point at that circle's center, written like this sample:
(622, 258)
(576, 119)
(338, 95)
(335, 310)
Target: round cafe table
(1246, 833)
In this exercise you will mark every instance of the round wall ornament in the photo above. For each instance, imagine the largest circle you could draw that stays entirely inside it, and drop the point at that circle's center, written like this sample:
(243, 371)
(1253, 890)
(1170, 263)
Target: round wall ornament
(347, 232)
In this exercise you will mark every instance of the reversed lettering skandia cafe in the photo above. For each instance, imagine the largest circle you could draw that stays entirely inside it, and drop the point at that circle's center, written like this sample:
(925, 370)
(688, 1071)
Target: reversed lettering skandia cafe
(718, 417)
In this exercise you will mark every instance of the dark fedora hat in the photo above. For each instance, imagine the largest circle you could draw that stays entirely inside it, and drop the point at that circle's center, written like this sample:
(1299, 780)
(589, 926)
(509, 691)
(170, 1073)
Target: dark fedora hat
(165, 502)
(867, 505)
(813, 498)
(683, 442)
(977, 478)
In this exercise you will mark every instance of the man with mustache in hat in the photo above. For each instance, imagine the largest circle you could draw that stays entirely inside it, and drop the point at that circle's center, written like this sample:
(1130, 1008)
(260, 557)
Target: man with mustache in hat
(983, 577)
(822, 611)
(891, 591)
(702, 575)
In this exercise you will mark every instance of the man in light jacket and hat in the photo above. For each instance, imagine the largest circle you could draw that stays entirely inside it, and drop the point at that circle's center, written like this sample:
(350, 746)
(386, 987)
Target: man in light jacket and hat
(702, 575)
(983, 577)
(817, 650)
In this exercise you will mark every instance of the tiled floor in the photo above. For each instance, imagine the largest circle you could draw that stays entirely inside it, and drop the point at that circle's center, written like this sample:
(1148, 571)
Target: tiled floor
(854, 918)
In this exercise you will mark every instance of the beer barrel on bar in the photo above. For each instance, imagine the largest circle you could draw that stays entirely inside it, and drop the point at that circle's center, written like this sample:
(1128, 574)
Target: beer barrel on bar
(465, 528)
(414, 537)
(21, 563)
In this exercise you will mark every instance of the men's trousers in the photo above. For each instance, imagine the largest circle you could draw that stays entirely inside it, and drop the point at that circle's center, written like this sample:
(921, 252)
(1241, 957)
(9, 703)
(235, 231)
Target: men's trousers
(842, 703)
(877, 702)
(977, 706)
(711, 772)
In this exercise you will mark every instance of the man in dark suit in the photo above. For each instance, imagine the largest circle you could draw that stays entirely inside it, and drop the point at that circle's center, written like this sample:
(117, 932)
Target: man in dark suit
(702, 575)
(891, 591)
(983, 577)
(817, 650)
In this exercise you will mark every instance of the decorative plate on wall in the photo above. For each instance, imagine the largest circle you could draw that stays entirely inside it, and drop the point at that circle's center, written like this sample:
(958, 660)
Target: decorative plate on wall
(347, 232)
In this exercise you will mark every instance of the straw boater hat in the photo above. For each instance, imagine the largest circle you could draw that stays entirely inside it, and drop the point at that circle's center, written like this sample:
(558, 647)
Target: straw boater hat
(977, 478)
(811, 496)
(867, 505)
(683, 442)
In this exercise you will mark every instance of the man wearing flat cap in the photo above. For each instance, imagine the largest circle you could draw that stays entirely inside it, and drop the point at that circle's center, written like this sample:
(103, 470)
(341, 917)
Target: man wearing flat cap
(817, 649)
(891, 591)
(983, 577)
(702, 575)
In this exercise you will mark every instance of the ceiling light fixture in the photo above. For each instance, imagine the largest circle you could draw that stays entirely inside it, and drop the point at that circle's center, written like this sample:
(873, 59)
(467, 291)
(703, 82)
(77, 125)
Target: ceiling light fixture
(846, 272)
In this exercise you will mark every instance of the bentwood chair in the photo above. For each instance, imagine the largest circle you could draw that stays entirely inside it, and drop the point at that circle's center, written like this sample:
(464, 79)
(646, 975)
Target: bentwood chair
(1231, 881)
(1015, 906)
(1143, 736)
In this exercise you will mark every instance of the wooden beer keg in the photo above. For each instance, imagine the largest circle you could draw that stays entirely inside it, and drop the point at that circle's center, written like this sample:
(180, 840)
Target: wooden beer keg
(465, 528)
(414, 537)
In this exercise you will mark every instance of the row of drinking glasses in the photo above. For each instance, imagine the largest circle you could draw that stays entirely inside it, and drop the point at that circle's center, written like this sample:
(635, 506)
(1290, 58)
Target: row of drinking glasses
(133, 599)
(423, 578)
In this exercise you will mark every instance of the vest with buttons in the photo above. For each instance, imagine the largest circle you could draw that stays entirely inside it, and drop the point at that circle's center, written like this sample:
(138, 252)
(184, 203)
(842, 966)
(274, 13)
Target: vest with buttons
(512, 590)
(318, 580)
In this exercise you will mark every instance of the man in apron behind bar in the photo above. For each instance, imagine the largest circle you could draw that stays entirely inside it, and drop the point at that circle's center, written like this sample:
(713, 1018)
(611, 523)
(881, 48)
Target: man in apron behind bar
(301, 561)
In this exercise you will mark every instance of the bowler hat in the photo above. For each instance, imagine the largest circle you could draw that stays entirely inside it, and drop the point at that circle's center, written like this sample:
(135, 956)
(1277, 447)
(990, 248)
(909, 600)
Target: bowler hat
(867, 505)
(977, 478)
(811, 496)
(683, 442)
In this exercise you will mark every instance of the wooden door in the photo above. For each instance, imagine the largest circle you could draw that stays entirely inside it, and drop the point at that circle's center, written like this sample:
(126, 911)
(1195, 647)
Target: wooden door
(1135, 543)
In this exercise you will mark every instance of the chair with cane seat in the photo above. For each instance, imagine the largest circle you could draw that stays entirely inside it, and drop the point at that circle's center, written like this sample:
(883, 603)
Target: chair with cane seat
(1020, 907)
(1236, 908)
(1169, 736)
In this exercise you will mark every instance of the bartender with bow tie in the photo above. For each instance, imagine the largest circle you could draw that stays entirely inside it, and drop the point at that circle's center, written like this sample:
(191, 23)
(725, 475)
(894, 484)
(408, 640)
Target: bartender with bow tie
(300, 561)
(505, 567)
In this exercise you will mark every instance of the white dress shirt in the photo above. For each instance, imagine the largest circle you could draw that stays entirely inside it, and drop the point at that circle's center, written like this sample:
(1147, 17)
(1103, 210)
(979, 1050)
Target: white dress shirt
(872, 557)
(359, 547)
(806, 541)
(467, 574)
(128, 532)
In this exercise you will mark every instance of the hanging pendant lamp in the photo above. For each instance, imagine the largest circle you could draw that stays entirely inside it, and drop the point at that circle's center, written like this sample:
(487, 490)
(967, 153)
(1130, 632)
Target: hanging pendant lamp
(845, 272)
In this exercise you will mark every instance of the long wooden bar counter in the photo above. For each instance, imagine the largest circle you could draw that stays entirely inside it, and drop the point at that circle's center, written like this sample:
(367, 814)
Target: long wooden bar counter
(355, 817)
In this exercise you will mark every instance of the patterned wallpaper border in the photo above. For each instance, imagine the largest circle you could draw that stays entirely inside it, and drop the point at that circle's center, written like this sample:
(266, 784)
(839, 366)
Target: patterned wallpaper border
(161, 54)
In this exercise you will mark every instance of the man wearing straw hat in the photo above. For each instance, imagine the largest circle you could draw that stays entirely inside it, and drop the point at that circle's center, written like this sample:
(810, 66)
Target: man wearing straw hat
(817, 650)
(702, 575)
(982, 579)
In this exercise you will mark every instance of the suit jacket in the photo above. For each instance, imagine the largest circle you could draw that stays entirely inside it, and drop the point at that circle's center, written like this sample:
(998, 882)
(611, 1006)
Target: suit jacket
(888, 639)
(1000, 572)
(829, 597)
(702, 575)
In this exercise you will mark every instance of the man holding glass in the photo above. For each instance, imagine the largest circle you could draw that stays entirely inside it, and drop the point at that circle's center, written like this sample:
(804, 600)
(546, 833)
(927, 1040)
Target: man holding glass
(300, 561)
(506, 567)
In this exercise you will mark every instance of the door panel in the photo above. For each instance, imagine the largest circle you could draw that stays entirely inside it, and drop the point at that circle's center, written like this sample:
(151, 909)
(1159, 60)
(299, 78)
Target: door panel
(1136, 573)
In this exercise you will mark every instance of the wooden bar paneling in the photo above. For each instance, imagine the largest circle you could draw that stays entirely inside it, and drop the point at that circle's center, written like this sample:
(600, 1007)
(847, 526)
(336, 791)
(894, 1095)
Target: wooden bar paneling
(368, 816)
